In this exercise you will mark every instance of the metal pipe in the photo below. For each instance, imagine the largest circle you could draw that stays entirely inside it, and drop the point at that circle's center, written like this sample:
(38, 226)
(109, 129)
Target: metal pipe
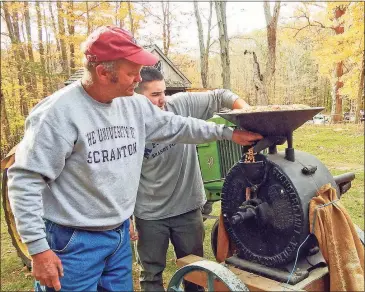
(289, 152)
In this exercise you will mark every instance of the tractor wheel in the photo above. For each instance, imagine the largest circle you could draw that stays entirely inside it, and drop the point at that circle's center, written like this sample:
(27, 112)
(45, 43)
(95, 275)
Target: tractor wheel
(214, 237)
(20, 247)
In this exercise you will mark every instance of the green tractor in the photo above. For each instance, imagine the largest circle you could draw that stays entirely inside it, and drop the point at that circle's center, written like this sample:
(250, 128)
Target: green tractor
(216, 159)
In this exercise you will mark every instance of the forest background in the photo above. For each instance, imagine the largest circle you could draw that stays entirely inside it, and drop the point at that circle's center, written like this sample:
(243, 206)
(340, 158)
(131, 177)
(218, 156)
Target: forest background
(306, 52)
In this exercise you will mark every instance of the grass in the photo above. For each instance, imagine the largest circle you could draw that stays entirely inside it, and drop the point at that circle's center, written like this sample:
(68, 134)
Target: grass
(339, 147)
(14, 277)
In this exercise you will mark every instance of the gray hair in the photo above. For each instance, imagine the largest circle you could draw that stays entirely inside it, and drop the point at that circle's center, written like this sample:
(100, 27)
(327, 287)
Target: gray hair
(110, 66)
(89, 66)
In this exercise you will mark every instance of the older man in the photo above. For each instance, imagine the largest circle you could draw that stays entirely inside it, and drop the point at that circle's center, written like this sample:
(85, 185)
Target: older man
(171, 192)
(74, 182)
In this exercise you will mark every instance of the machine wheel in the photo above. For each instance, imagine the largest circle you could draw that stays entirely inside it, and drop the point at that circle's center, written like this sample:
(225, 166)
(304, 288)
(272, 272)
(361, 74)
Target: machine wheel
(20, 247)
(214, 271)
(214, 237)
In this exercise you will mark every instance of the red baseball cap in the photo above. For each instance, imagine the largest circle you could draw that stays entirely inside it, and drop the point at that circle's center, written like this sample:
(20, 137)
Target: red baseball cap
(109, 43)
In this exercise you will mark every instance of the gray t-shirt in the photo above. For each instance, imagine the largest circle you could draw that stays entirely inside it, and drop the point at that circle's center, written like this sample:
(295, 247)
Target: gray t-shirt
(79, 162)
(171, 182)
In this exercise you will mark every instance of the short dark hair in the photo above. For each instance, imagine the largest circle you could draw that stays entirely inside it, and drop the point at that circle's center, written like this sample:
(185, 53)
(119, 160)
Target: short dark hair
(148, 74)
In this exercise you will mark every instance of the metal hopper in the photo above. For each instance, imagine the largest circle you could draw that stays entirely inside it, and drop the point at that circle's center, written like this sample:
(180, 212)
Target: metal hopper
(276, 126)
(272, 123)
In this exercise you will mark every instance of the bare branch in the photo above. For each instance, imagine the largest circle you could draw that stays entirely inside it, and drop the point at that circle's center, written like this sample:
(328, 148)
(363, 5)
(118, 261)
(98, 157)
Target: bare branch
(320, 24)
(209, 26)
(146, 10)
(309, 23)
(90, 9)
(172, 10)
(212, 43)
(213, 26)
(300, 29)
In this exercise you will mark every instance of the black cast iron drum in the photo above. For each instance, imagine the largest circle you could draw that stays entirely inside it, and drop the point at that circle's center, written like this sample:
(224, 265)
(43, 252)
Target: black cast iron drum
(269, 228)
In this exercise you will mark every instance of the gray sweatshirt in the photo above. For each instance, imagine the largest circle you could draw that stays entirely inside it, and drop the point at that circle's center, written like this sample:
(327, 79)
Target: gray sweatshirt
(79, 162)
(171, 182)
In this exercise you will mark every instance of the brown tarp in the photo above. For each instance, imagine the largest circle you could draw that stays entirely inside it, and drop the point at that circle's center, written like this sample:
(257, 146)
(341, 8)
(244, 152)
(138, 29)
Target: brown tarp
(338, 241)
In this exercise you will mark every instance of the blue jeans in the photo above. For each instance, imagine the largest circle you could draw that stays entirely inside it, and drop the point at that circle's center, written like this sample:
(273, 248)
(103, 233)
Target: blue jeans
(92, 260)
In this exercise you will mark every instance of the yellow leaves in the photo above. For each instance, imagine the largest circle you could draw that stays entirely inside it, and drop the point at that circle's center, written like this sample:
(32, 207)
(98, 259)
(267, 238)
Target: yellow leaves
(346, 47)
(122, 11)
(15, 6)
(99, 20)
(351, 84)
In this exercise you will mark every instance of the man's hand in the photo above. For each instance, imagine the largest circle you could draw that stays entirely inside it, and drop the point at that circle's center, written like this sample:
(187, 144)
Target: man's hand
(240, 103)
(245, 137)
(47, 269)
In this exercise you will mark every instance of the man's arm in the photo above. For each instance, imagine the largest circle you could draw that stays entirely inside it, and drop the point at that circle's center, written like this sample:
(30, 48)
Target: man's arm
(203, 105)
(166, 127)
(40, 156)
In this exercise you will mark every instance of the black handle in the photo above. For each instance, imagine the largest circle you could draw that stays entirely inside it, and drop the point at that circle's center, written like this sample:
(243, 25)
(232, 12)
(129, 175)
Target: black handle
(267, 142)
(309, 170)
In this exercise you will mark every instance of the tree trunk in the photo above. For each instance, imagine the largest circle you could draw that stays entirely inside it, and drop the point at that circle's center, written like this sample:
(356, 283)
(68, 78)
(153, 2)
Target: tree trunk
(220, 8)
(55, 28)
(22, 59)
(203, 56)
(208, 44)
(41, 49)
(336, 111)
(48, 61)
(271, 28)
(29, 47)
(71, 32)
(166, 27)
(130, 17)
(260, 88)
(19, 55)
(62, 35)
(360, 94)
(88, 18)
(116, 13)
(5, 125)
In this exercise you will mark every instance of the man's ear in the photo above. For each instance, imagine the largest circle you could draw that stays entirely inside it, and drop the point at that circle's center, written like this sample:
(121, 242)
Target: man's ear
(102, 74)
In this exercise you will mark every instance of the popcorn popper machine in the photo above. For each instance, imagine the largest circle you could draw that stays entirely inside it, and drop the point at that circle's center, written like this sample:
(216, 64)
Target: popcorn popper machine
(265, 205)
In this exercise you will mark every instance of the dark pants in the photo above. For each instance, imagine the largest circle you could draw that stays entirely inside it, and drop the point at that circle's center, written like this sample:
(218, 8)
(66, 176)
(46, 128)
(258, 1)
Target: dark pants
(186, 233)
